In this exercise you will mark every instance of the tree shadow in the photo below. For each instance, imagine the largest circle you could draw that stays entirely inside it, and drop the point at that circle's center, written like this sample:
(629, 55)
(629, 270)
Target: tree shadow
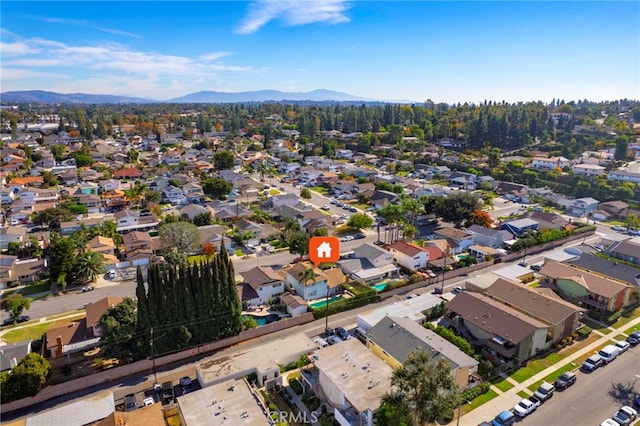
(623, 393)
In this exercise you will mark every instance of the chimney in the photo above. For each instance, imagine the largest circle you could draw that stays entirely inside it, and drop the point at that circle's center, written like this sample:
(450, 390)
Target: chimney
(59, 346)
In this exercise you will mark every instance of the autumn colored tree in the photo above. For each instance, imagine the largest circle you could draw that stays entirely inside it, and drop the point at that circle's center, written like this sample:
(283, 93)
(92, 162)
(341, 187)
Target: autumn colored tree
(480, 217)
(208, 250)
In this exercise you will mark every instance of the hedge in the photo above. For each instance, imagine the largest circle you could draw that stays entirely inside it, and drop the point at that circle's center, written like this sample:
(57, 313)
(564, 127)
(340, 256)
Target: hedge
(462, 343)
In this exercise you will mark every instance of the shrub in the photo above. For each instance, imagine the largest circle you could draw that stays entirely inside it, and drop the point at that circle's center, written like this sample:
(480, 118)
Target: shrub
(473, 393)
(449, 335)
(584, 331)
(296, 386)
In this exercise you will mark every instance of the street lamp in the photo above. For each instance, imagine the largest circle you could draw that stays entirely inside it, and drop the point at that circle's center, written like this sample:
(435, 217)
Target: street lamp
(459, 408)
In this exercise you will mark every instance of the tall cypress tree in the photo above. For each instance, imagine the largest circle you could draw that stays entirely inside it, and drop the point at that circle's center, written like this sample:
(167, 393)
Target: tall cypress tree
(143, 326)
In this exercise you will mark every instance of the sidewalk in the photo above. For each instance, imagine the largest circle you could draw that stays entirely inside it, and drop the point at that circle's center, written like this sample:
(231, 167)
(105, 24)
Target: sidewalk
(506, 400)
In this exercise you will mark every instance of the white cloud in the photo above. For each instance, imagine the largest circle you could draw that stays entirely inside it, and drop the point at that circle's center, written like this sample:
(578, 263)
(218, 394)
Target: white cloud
(293, 12)
(23, 73)
(214, 56)
(17, 48)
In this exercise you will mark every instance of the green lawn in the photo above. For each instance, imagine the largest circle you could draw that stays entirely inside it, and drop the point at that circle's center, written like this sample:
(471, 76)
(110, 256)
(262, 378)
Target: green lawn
(39, 287)
(632, 329)
(198, 259)
(239, 253)
(274, 192)
(319, 189)
(596, 326)
(480, 400)
(623, 320)
(27, 333)
(534, 367)
(523, 394)
(535, 284)
(551, 377)
(358, 205)
(581, 359)
(502, 384)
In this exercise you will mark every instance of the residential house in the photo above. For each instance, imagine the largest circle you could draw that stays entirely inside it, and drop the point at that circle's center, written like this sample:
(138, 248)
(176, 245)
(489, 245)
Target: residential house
(260, 232)
(489, 237)
(190, 211)
(620, 271)
(627, 250)
(95, 310)
(102, 245)
(624, 176)
(459, 239)
(615, 209)
(129, 173)
(193, 192)
(7, 196)
(504, 333)
(370, 264)
(352, 380)
(409, 255)
(382, 198)
(309, 289)
(548, 220)
(128, 220)
(561, 316)
(519, 227)
(483, 253)
(231, 213)
(265, 282)
(512, 191)
(586, 288)
(541, 163)
(215, 235)
(13, 234)
(588, 170)
(174, 195)
(394, 338)
(68, 228)
(159, 183)
(584, 206)
(136, 240)
(277, 201)
(92, 202)
(294, 304)
(68, 338)
(10, 355)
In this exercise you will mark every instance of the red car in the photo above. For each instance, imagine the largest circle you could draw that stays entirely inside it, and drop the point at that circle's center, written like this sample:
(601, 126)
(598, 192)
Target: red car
(300, 259)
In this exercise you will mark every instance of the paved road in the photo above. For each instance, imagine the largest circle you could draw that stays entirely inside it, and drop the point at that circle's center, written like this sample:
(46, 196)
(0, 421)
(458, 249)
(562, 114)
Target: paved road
(594, 397)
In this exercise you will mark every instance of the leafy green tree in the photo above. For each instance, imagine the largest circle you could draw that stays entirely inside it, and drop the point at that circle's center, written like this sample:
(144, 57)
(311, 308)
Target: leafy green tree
(52, 217)
(423, 387)
(25, 379)
(360, 221)
(202, 219)
(457, 207)
(151, 196)
(240, 236)
(216, 187)
(132, 156)
(119, 330)
(15, 304)
(299, 243)
(180, 237)
(305, 193)
(88, 266)
(622, 147)
(320, 232)
(223, 160)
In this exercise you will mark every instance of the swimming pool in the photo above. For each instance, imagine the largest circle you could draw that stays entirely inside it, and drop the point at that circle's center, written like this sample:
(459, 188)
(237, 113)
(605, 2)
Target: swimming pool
(380, 286)
(323, 303)
(263, 320)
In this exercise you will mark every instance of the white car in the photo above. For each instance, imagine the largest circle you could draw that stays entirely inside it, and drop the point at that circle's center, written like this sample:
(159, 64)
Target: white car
(325, 207)
(525, 407)
(347, 238)
(625, 416)
(622, 345)
(320, 342)
(148, 401)
(609, 422)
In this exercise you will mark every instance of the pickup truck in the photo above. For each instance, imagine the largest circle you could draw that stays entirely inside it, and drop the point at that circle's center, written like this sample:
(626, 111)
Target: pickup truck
(544, 392)
(525, 407)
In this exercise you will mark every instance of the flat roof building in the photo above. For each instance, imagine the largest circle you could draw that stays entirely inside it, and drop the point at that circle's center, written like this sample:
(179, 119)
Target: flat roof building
(410, 308)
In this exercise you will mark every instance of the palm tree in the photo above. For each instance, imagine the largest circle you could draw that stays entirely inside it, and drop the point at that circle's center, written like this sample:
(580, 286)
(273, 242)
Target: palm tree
(88, 266)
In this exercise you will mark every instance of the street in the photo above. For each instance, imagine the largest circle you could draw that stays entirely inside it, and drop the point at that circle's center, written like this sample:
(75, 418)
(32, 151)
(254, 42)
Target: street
(594, 397)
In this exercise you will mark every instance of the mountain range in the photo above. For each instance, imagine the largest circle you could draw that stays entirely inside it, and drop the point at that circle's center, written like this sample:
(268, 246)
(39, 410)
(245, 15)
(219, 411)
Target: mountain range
(319, 95)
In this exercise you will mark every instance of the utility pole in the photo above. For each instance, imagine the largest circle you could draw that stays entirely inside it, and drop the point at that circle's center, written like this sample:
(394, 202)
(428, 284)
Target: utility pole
(153, 360)
(444, 268)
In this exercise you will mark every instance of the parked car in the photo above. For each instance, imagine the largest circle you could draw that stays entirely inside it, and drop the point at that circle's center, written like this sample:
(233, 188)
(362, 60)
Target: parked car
(342, 333)
(609, 422)
(544, 391)
(625, 415)
(186, 384)
(634, 232)
(130, 402)
(111, 274)
(334, 340)
(609, 353)
(592, 363)
(320, 342)
(359, 236)
(360, 334)
(634, 338)
(525, 407)
(325, 207)
(622, 346)
(505, 418)
(536, 267)
(347, 238)
(565, 380)
(19, 319)
(458, 289)
(148, 401)
(167, 392)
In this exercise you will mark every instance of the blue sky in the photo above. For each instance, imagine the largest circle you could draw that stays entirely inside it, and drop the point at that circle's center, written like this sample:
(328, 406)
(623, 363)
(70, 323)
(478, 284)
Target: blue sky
(383, 50)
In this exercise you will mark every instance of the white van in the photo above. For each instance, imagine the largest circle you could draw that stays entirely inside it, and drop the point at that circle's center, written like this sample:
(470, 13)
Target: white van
(609, 353)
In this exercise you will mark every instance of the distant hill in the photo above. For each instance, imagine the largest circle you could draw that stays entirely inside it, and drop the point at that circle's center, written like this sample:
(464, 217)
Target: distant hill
(319, 95)
(264, 96)
(66, 98)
